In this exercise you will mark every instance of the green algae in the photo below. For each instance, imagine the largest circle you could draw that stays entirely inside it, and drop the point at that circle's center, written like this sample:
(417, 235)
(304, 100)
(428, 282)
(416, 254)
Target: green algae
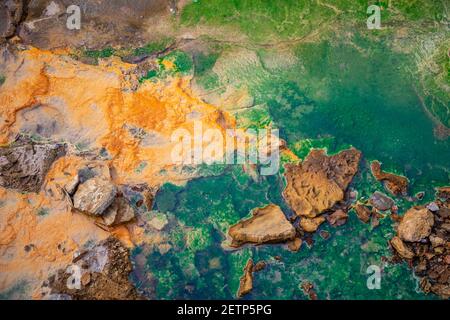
(340, 92)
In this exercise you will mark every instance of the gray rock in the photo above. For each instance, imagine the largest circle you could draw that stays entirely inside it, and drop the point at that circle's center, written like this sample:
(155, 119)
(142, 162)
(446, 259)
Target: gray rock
(433, 207)
(95, 196)
(24, 166)
(381, 201)
(118, 213)
(10, 15)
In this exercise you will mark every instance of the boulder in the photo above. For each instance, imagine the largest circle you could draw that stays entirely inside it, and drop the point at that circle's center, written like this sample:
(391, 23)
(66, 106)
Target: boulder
(416, 225)
(320, 181)
(268, 225)
(94, 196)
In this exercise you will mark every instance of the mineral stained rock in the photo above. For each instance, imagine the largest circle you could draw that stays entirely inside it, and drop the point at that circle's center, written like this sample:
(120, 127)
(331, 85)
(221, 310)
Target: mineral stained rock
(268, 225)
(24, 166)
(246, 281)
(381, 201)
(397, 185)
(94, 196)
(119, 212)
(311, 225)
(101, 273)
(416, 225)
(320, 181)
(443, 193)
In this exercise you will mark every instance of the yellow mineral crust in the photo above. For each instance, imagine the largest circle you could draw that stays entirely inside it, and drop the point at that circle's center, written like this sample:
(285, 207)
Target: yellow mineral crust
(94, 107)
(90, 107)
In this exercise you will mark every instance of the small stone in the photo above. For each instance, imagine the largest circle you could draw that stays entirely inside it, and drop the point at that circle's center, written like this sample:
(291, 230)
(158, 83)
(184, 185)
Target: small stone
(362, 212)
(401, 248)
(437, 241)
(381, 201)
(295, 244)
(85, 279)
(337, 218)
(311, 225)
(259, 266)
(433, 207)
(324, 234)
(118, 213)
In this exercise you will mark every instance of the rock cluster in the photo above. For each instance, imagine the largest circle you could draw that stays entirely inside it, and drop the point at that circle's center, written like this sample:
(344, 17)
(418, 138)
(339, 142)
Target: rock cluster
(320, 181)
(101, 273)
(397, 185)
(423, 240)
(95, 194)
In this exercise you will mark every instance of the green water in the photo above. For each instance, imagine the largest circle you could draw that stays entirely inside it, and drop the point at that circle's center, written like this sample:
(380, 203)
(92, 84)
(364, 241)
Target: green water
(340, 91)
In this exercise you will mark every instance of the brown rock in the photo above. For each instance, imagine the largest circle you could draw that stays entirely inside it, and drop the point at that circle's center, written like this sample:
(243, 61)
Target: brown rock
(268, 225)
(401, 248)
(311, 225)
(246, 281)
(295, 244)
(397, 185)
(94, 196)
(362, 212)
(416, 225)
(320, 181)
(324, 234)
(337, 218)
(308, 289)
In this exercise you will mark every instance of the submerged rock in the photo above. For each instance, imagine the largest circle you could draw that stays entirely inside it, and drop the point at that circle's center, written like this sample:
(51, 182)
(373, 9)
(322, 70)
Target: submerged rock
(381, 201)
(246, 281)
(397, 185)
(320, 181)
(443, 193)
(416, 225)
(268, 225)
(23, 166)
(95, 196)
(101, 273)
